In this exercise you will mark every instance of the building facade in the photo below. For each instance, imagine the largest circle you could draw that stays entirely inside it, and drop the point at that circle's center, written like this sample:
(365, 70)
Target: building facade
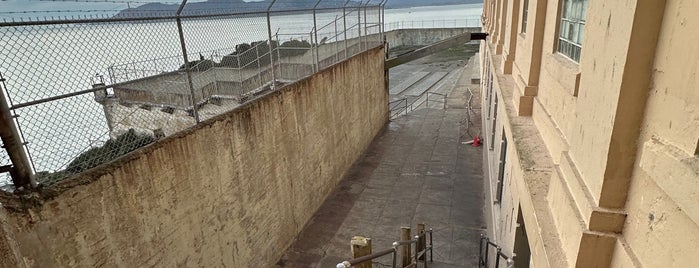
(591, 127)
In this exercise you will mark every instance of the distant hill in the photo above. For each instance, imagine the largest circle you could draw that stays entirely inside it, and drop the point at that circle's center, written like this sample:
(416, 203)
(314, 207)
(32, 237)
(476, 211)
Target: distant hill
(229, 6)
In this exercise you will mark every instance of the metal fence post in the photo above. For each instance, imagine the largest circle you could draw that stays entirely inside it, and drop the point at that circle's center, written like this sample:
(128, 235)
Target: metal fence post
(337, 41)
(271, 56)
(359, 26)
(279, 56)
(21, 172)
(497, 257)
(187, 68)
(315, 35)
(366, 32)
(344, 24)
(259, 66)
(240, 71)
(314, 51)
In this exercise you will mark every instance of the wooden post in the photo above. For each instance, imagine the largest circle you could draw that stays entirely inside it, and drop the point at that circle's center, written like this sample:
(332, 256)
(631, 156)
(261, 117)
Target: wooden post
(405, 252)
(361, 246)
(421, 244)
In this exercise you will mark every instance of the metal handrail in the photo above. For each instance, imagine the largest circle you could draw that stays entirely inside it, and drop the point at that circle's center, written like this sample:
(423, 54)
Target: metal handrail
(350, 263)
(444, 99)
(483, 260)
(398, 107)
(394, 250)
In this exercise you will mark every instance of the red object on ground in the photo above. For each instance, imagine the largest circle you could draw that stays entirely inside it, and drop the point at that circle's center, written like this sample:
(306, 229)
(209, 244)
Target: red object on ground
(477, 141)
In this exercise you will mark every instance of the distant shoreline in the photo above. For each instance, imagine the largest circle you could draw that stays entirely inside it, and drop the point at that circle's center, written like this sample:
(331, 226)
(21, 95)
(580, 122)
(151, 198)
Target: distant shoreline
(253, 8)
(434, 5)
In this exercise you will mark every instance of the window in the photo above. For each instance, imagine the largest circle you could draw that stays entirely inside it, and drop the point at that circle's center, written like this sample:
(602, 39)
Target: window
(570, 36)
(501, 168)
(525, 14)
(495, 121)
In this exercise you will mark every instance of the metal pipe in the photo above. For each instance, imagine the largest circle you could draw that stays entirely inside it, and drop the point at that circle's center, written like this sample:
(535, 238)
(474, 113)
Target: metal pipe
(21, 172)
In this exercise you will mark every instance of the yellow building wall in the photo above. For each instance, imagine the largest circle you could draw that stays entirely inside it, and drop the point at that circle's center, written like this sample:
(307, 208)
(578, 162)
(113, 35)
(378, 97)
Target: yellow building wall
(621, 128)
(662, 226)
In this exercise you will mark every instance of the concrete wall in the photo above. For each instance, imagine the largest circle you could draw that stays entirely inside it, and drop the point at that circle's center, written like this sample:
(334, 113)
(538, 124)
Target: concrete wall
(662, 224)
(619, 126)
(422, 37)
(233, 191)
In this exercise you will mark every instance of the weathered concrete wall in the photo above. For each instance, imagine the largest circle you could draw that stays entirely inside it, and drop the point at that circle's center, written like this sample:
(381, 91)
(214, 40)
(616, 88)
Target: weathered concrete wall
(233, 191)
(421, 37)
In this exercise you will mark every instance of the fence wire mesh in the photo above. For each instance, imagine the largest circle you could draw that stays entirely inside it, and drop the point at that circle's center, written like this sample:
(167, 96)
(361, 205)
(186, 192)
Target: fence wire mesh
(90, 90)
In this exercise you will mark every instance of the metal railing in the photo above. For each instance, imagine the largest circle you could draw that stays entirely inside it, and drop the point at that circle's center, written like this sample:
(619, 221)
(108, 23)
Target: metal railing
(444, 99)
(398, 107)
(469, 110)
(422, 246)
(484, 254)
(157, 75)
(404, 106)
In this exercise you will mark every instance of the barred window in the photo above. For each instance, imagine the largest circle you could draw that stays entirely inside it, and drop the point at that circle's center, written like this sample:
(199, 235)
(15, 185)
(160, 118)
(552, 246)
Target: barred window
(525, 14)
(572, 26)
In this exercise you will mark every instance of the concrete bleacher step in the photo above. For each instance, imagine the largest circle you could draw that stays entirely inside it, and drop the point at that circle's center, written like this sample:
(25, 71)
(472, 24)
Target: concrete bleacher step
(412, 80)
(424, 85)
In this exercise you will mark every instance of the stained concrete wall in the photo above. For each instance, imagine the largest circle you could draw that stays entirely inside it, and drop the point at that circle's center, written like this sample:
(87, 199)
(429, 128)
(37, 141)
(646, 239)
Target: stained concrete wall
(233, 191)
(422, 37)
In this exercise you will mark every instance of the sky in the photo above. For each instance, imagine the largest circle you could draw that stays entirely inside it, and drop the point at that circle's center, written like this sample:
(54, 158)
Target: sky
(39, 8)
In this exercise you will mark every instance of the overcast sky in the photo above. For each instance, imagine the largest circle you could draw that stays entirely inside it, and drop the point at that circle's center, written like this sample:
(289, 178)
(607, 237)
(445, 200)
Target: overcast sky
(39, 8)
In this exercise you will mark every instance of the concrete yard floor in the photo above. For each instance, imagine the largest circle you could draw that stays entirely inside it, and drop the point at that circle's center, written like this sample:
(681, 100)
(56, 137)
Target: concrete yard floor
(417, 170)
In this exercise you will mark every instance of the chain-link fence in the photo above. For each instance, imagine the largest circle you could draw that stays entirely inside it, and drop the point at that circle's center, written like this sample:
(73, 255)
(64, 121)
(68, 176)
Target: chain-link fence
(85, 91)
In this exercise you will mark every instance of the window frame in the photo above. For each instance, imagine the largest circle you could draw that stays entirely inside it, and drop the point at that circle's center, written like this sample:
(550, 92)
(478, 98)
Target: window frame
(525, 17)
(571, 20)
